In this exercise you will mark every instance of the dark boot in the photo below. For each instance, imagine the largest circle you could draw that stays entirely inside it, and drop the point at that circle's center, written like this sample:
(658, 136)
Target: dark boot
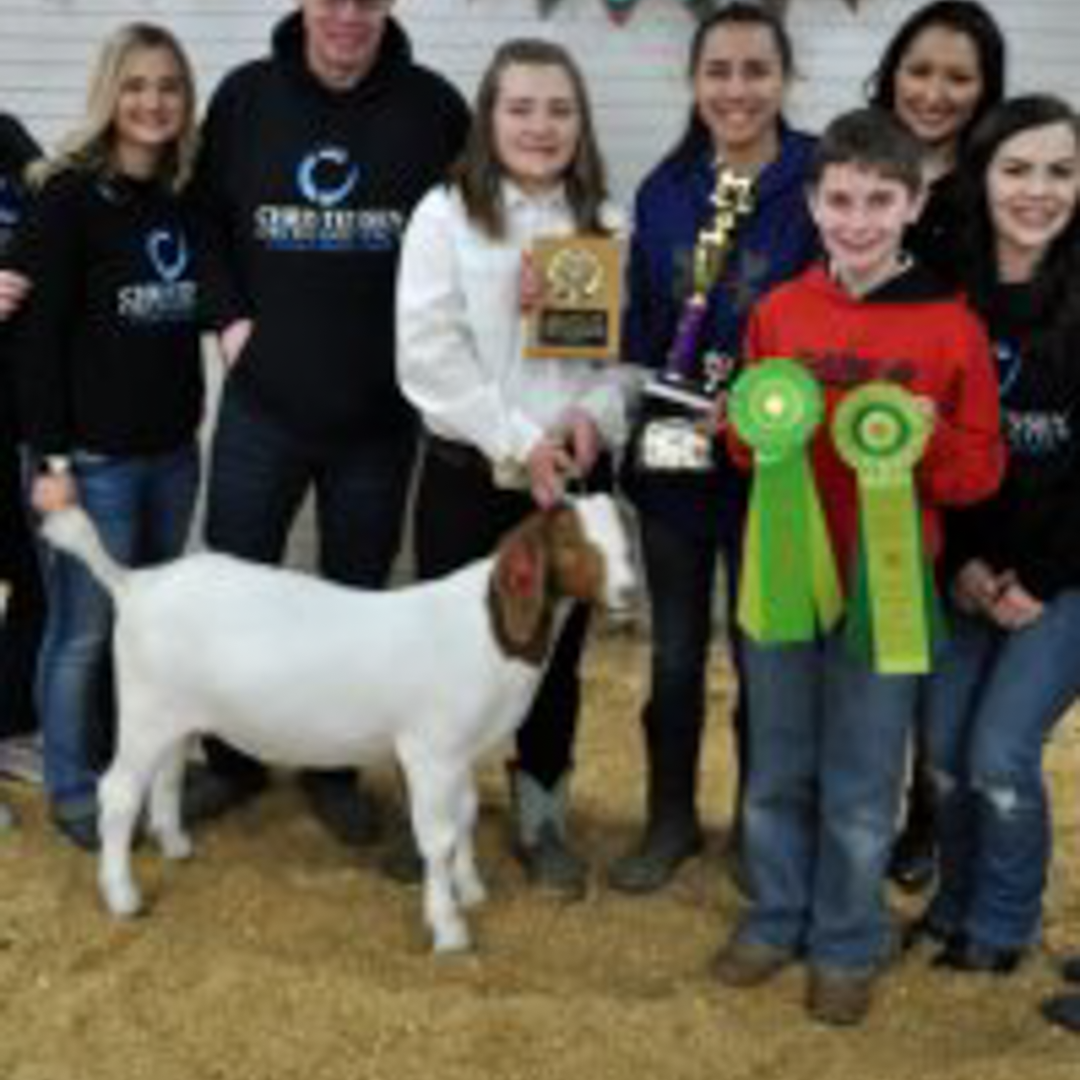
(672, 831)
(232, 781)
(1064, 1011)
(913, 865)
(669, 840)
(540, 844)
(207, 795)
(345, 809)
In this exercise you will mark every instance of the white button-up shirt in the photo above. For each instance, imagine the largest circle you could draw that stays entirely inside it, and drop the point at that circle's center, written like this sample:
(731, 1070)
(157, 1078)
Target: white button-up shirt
(461, 335)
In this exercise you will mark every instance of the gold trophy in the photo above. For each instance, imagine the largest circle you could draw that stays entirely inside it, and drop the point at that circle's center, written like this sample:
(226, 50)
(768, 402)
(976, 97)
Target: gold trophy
(579, 312)
(677, 435)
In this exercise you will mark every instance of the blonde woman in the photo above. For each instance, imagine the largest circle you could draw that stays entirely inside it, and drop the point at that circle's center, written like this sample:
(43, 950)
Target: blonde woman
(109, 374)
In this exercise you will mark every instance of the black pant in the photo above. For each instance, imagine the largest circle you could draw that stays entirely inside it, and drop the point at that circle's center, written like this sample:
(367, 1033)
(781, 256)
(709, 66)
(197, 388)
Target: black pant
(460, 516)
(681, 570)
(22, 624)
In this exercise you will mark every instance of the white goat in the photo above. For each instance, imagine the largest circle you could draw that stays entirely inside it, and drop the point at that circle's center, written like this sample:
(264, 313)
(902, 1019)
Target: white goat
(304, 673)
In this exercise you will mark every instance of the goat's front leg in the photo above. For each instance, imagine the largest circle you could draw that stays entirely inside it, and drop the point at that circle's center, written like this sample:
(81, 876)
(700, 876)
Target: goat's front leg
(468, 884)
(432, 801)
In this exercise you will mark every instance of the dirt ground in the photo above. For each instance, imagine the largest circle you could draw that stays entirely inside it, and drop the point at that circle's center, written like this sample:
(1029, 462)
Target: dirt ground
(275, 955)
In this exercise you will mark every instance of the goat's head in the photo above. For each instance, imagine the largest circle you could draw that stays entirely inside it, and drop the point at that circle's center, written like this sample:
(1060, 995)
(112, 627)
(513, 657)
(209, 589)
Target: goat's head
(578, 551)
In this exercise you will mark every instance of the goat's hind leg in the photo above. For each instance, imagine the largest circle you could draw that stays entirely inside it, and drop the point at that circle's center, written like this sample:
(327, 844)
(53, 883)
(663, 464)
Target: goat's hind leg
(121, 793)
(166, 820)
(143, 744)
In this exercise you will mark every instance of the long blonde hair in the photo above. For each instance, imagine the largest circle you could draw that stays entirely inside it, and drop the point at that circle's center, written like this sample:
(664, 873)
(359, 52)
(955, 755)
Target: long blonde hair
(90, 145)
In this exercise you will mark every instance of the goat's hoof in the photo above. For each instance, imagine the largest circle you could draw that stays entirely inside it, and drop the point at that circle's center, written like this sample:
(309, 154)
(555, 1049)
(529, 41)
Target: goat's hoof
(472, 893)
(176, 846)
(123, 902)
(452, 940)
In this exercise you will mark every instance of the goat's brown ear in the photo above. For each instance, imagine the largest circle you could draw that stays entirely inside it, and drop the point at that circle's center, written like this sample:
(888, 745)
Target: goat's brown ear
(521, 581)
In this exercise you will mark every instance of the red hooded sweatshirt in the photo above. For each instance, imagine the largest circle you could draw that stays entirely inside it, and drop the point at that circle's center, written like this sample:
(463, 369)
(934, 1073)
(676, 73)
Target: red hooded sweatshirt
(911, 332)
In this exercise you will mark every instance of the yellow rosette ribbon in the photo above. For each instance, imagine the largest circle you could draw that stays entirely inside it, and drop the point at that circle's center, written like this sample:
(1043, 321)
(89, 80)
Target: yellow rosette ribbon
(881, 431)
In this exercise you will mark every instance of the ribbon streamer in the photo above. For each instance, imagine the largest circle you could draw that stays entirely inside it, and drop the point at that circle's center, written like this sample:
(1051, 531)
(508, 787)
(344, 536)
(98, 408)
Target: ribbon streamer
(620, 10)
(789, 586)
(893, 614)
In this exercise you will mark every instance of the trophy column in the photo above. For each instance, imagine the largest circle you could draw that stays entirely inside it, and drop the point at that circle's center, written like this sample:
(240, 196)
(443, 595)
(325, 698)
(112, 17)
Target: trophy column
(683, 394)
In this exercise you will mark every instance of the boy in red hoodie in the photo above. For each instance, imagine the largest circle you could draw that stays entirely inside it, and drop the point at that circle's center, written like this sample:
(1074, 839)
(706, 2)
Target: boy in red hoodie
(828, 734)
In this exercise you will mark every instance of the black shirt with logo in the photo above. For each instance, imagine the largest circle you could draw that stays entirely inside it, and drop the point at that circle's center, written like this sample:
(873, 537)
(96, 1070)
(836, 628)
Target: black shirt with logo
(305, 193)
(1031, 525)
(108, 353)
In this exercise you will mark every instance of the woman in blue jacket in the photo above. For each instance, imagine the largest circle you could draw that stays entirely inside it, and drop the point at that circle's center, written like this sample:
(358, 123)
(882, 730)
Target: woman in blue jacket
(741, 64)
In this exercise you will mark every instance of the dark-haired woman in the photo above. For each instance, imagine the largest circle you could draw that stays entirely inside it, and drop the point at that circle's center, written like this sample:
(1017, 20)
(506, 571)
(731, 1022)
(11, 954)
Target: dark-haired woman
(1010, 670)
(941, 72)
(741, 65)
(507, 433)
(20, 623)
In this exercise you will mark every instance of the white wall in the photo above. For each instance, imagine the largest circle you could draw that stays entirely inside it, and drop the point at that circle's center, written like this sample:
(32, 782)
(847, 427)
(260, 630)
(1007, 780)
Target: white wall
(635, 72)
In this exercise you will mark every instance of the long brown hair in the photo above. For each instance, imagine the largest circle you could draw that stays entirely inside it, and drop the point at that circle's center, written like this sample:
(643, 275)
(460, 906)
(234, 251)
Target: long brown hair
(1054, 292)
(478, 174)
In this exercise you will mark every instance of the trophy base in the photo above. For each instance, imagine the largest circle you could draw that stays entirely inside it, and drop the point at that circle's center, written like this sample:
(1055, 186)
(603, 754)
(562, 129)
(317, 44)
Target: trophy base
(679, 390)
(674, 444)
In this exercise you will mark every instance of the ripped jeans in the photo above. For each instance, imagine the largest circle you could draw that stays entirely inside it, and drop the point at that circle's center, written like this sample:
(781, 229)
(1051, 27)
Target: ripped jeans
(991, 704)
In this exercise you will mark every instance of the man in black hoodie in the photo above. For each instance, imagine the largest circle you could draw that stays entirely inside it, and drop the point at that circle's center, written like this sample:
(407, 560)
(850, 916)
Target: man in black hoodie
(312, 160)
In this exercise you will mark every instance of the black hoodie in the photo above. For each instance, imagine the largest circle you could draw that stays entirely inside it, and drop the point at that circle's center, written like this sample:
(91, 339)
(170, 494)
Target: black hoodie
(17, 150)
(305, 192)
(107, 345)
(1032, 525)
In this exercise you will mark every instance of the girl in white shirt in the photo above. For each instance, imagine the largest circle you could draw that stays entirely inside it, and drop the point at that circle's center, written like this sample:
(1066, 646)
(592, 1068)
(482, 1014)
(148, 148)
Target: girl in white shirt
(506, 433)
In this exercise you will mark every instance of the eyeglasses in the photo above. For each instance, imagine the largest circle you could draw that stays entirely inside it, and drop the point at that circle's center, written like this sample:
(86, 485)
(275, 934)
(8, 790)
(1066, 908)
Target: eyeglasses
(362, 7)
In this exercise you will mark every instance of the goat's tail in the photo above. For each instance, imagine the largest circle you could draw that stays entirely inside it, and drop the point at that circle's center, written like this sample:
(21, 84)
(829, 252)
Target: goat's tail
(71, 530)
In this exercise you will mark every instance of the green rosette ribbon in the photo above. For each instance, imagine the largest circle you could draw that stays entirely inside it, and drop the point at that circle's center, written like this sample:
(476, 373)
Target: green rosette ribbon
(789, 585)
(893, 616)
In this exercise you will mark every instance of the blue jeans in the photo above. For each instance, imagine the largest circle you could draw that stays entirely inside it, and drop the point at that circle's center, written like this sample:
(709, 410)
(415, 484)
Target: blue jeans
(827, 753)
(142, 507)
(260, 473)
(991, 705)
